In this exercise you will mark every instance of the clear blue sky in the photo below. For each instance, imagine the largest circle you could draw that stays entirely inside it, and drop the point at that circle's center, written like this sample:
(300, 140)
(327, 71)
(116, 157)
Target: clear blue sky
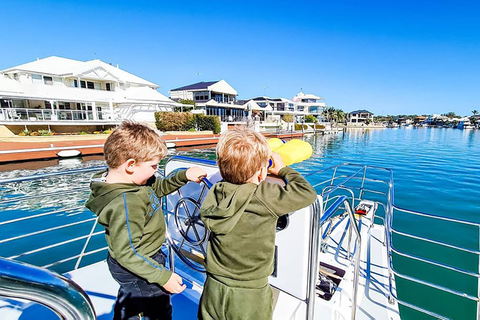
(389, 57)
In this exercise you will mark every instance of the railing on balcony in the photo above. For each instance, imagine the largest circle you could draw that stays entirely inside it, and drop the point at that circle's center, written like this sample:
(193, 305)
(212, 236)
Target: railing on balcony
(24, 114)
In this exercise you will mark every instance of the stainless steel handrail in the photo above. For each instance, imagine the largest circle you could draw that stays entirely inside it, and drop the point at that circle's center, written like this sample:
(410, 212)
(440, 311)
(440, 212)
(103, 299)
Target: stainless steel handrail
(10, 201)
(356, 273)
(390, 208)
(58, 293)
(315, 225)
(353, 224)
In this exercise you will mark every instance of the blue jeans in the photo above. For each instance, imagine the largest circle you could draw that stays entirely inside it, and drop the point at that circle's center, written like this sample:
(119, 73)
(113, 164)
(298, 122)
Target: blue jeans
(136, 295)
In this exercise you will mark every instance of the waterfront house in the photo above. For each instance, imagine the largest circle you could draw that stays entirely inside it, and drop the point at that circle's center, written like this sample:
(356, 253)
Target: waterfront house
(73, 95)
(359, 118)
(277, 106)
(212, 98)
(309, 104)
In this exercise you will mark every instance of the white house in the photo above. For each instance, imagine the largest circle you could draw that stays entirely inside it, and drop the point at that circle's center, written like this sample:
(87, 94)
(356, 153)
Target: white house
(213, 98)
(60, 91)
(359, 117)
(309, 104)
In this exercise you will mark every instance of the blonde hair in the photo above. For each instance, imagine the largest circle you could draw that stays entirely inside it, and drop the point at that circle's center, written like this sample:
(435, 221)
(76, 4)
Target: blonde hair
(132, 140)
(240, 153)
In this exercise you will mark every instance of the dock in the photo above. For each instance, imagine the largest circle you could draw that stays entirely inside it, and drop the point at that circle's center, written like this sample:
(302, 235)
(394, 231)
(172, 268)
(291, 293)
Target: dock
(15, 149)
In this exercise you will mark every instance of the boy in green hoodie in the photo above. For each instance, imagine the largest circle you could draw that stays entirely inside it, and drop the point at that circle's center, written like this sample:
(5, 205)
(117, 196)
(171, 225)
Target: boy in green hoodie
(241, 212)
(126, 199)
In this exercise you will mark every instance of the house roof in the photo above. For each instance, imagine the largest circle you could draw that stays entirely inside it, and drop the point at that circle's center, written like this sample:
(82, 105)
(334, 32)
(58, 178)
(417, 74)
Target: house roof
(10, 88)
(267, 99)
(360, 111)
(196, 86)
(93, 69)
(302, 95)
(216, 86)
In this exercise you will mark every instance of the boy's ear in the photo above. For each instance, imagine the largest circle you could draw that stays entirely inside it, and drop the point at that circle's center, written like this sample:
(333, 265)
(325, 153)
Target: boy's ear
(262, 174)
(130, 165)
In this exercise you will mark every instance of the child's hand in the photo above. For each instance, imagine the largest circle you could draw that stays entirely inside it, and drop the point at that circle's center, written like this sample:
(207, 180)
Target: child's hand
(174, 284)
(277, 164)
(195, 173)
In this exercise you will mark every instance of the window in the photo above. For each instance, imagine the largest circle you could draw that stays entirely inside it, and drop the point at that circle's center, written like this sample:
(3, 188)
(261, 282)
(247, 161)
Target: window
(82, 84)
(107, 87)
(75, 83)
(48, 80)
(90, 85)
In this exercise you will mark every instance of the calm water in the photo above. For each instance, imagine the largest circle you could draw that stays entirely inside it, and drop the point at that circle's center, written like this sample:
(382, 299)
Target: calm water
(435, 171)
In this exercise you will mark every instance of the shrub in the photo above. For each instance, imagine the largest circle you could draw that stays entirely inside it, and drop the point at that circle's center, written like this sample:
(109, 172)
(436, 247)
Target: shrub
(34, 133)
(311, 119)
(83, 132)
(185, 121)
(287, 118)
(208, 123)
(45, 133)
(24, 133)
(174, 121)
(319, 126)
(298, 127)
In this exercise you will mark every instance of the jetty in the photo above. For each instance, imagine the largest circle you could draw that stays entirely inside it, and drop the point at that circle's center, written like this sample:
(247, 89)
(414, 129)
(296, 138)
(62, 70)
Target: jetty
(14, 149)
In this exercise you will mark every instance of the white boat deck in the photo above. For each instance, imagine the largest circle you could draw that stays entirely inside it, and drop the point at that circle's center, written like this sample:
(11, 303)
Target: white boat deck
(372, 299)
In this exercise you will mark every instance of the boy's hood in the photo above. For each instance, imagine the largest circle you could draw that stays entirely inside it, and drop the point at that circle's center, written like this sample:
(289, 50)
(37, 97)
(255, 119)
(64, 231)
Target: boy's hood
(102, 193)
(225, 204)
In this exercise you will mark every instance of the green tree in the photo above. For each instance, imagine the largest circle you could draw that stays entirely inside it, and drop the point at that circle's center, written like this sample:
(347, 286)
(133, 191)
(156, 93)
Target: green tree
(340, 116)
(473, 119)
(310, 118)
(188, 105)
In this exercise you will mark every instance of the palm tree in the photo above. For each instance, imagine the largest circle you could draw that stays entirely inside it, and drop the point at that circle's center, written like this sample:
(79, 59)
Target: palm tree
(473, 119)
(340, 115)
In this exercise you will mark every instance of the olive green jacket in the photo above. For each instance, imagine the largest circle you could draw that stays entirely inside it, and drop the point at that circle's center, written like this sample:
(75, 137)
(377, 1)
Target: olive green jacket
(242, 220)
(134, 222)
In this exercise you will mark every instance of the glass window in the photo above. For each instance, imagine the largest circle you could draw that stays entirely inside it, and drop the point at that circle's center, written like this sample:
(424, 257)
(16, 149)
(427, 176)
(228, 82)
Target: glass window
(107, 86)
(48, 80)
(83, 84)
(75, 83)
(90, 85)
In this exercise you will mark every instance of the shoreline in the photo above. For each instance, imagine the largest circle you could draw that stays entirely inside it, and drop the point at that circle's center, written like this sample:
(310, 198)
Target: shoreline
(27, 148)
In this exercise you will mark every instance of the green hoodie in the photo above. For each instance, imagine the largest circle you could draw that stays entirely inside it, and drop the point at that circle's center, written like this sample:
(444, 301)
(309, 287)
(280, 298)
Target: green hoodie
(134, 222)
(242, 220)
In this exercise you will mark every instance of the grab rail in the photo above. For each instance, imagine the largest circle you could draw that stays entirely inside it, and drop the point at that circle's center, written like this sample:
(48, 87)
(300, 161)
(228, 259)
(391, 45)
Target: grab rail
(58, 293)
(325, 218)
(57, 228)
(390, 208)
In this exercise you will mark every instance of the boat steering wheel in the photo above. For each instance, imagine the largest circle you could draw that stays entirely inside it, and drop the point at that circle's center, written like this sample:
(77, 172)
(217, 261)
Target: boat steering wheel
(190, 246)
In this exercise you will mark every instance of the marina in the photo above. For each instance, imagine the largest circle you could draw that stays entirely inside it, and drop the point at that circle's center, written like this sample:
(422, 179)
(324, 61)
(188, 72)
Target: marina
(439, 188)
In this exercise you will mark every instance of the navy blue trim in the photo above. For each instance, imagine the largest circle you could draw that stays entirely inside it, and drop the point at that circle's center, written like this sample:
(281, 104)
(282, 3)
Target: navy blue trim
(201, 161)
(130, 236)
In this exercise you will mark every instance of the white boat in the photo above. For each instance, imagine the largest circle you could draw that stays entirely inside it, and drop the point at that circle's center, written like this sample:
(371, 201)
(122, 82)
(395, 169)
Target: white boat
(333, 258)
(69, 153)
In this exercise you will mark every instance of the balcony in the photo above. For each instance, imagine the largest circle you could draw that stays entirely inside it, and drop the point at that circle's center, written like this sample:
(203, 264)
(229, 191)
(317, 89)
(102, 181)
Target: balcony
(23, 115)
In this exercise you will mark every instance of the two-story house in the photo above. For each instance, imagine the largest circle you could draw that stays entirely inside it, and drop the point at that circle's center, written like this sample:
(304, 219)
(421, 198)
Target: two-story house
(57, 91)
(213, 98)
(309, 104)
(359, 118)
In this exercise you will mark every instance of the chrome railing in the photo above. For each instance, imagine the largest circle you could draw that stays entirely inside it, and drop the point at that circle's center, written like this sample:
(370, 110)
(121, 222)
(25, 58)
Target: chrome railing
(31, 114)
(359, 174)
(75, 215)
(49, 235)
(58, 293)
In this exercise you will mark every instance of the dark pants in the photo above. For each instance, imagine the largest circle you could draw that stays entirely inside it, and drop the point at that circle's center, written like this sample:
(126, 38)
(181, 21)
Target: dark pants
(137, 296)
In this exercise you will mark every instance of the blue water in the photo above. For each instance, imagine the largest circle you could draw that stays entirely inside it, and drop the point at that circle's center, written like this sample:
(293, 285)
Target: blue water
(435, 171)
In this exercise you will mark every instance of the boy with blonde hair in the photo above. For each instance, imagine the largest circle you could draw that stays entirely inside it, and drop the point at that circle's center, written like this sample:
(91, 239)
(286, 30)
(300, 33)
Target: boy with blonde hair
(241, 212)
(126, 199)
